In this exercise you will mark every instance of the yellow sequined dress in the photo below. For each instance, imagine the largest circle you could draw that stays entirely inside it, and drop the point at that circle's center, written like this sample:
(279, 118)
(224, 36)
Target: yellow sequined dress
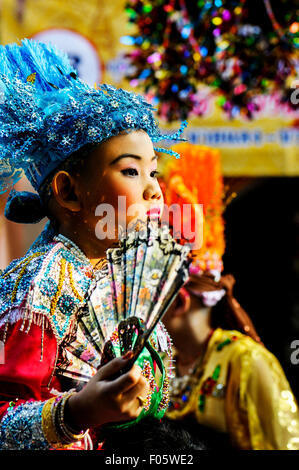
(239, 388)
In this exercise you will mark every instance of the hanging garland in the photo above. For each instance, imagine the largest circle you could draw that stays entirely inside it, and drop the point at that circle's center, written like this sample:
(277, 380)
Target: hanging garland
(183, 43)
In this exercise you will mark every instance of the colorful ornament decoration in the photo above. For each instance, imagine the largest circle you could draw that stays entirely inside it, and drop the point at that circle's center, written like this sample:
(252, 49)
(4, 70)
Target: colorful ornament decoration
(209, 387)
(181, 45)
(183, 386)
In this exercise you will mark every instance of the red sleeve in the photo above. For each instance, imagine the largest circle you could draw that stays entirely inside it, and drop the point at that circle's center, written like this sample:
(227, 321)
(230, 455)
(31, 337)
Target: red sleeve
(25, 378)
(23, 375)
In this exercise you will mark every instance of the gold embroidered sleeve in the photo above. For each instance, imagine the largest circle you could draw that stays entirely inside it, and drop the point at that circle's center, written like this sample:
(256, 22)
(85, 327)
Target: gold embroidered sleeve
(261, 410)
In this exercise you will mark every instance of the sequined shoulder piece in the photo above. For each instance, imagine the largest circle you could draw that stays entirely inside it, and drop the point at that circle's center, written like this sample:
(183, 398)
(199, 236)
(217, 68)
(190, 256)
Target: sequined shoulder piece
(48, 292)
(16, 279)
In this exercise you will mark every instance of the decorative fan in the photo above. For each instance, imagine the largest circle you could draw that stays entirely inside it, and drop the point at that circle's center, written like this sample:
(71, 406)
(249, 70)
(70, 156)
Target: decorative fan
(143, 275)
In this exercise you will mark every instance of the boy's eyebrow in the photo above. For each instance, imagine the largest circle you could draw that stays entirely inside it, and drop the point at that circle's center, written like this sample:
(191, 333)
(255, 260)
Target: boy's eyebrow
(130, 155)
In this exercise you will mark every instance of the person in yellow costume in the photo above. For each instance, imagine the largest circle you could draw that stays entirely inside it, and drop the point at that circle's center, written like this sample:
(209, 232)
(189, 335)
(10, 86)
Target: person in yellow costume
(225, 378)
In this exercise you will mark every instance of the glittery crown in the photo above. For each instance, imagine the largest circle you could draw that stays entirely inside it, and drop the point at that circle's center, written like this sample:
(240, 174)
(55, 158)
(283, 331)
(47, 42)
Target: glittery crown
(196, 178)
(47, 113)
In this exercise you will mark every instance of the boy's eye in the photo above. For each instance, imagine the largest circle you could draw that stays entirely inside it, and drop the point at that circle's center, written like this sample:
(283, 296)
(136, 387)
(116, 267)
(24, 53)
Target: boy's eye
(154, 174)
(130, 172)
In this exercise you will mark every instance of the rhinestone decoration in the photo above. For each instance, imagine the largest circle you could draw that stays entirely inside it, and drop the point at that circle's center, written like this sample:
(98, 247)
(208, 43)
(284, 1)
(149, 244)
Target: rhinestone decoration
(21, 428)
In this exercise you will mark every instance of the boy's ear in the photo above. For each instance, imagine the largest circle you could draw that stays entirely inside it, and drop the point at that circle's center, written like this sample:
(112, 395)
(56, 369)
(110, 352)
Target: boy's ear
(182, 303)
(64, 191)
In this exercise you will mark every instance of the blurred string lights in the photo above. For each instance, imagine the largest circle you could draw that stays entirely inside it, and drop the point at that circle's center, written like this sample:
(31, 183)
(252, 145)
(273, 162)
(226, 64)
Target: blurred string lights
(182, 44)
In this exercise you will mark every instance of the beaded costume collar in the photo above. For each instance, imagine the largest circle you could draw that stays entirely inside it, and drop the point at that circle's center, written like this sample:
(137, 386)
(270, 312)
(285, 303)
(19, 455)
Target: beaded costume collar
(47, 286)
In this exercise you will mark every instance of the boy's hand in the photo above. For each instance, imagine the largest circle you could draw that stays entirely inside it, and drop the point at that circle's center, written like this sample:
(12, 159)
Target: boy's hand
(104, 400)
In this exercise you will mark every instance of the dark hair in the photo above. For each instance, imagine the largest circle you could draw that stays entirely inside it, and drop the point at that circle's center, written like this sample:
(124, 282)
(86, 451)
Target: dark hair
(149, 435)
(221, 316)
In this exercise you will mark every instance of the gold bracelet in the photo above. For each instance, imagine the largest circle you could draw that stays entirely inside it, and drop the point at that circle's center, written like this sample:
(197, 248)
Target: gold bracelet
(68, 434)
(48, 428)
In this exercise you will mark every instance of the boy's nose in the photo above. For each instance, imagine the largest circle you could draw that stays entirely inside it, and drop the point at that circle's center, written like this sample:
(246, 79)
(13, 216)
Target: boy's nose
(151, 193)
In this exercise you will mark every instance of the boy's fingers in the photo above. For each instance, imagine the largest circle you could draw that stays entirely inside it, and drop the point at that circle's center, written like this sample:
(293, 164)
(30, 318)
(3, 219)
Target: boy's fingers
(141, 389)
(125, 382)
(110, 369)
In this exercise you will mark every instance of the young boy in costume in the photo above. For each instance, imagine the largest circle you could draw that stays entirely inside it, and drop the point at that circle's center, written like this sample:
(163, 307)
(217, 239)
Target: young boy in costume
(79, 147)
(226, 380)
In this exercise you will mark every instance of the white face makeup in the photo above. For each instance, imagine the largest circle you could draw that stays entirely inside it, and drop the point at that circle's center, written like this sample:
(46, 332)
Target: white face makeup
(124, 166)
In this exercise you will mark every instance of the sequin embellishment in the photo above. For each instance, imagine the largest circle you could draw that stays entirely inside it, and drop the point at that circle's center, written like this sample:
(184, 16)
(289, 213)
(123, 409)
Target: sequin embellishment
(21, 428)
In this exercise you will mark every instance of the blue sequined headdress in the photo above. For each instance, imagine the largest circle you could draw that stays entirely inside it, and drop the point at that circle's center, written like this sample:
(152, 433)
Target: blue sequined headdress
(47, 114)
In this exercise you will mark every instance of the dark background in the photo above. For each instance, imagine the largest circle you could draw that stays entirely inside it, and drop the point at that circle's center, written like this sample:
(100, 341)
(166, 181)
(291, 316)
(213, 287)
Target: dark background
(262, 252)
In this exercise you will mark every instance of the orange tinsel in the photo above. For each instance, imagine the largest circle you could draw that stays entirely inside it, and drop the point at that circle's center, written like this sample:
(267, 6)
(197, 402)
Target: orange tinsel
(196, 178)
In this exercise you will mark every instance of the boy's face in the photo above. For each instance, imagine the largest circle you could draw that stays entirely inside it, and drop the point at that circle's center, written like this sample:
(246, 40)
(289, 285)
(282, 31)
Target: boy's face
(125, 165)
